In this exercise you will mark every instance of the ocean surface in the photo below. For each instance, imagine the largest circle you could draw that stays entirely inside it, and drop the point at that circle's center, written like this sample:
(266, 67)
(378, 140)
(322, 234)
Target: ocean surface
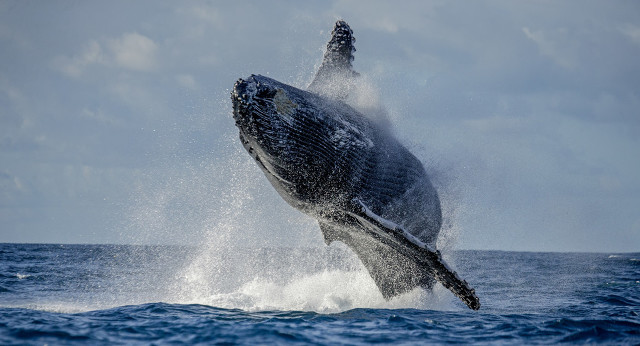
(108, 294)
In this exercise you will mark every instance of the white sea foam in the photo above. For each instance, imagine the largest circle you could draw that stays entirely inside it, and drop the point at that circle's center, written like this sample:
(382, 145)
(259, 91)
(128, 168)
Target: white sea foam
(328, 291)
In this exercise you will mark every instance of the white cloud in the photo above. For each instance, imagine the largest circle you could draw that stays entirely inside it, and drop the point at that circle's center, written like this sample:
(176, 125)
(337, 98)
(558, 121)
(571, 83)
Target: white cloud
(552, 46)
(187, 81)
(134, 51)
(139, 99)
(131, 51)
(10, 184)
(206, 13)
(385, 16)
(632, 32)
(387, 25)
(499, 124)
(74, 67)
(12, 93)
(100, 116)
(199, 20)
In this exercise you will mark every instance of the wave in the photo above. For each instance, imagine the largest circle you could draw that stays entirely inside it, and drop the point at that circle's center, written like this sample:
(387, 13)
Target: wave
(192, 323)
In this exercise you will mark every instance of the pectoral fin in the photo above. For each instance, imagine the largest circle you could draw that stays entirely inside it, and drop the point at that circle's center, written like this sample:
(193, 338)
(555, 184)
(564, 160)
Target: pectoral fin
(393, 272)
(405, 244)
(335, 75)
(330, 233)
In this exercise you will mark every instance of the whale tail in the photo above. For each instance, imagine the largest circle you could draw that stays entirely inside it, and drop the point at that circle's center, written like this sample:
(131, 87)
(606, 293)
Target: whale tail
(335, 75)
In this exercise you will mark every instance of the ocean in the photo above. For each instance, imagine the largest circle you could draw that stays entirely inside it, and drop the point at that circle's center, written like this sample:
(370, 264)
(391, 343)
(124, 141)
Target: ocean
(127, 294)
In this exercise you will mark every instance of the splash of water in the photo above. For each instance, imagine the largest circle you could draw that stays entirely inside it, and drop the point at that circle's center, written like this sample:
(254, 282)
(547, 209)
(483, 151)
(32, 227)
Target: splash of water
(242, 230)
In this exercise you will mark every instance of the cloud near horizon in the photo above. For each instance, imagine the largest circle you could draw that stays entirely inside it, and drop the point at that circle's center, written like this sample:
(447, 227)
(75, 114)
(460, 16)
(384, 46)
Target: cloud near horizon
(132, 51)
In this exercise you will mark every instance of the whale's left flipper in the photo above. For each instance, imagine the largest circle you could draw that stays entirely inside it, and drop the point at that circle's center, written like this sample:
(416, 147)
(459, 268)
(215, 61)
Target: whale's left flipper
(393, 272)
(395, 237)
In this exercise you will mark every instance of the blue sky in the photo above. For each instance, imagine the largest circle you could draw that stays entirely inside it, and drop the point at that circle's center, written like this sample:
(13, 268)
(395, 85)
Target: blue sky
(115, 118)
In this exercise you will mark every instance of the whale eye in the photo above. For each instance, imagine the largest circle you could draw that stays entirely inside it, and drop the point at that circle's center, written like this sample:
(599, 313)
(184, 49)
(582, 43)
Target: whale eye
(284, 105)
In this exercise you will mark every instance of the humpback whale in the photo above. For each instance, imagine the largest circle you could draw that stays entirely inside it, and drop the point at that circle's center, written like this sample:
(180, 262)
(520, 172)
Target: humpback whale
(332, 162)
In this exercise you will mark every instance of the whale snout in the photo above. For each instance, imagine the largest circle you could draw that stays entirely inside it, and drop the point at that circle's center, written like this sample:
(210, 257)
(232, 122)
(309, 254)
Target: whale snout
(256, 103)
(244, 90)
(245, 106)
(261, 106)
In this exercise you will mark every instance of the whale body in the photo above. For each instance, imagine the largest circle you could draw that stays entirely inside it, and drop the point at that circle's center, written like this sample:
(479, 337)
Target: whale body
(339, 166)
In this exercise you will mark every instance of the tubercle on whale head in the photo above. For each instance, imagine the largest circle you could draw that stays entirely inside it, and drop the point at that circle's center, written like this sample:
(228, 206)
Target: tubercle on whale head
(242, 98)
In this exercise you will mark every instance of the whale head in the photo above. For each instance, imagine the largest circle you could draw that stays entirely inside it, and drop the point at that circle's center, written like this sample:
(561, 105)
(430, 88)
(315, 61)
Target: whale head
(264, 114)
(286, 131)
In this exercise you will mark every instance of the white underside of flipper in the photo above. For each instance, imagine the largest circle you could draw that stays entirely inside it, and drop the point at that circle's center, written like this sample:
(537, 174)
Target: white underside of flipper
(394, 227)
(404, 242)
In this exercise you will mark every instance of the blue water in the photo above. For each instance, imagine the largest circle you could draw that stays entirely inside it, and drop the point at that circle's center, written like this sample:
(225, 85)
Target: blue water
(98, 294)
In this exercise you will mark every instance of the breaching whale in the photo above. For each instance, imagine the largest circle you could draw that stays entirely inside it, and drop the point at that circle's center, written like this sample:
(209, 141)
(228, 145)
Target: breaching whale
(337, 165)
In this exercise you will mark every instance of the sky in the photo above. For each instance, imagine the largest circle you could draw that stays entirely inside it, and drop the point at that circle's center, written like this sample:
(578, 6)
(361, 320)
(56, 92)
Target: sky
(116, 127)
